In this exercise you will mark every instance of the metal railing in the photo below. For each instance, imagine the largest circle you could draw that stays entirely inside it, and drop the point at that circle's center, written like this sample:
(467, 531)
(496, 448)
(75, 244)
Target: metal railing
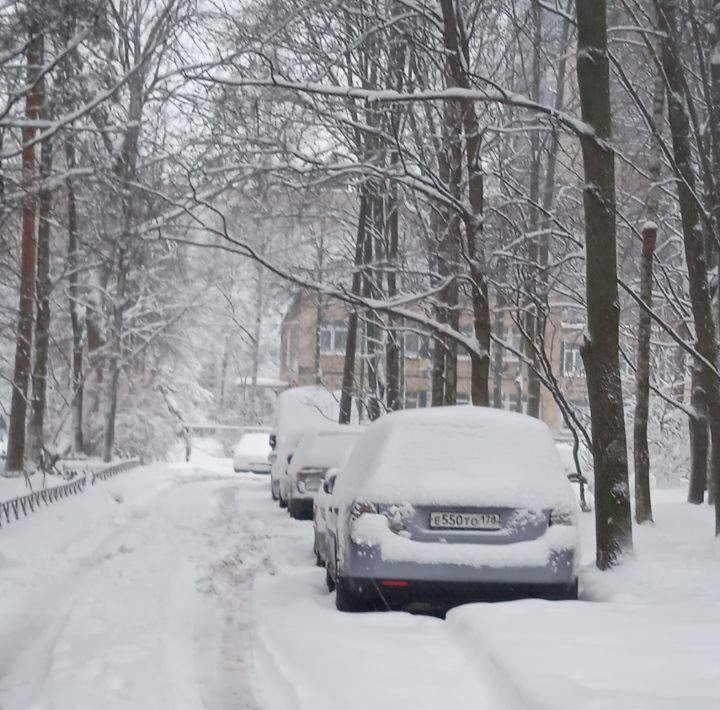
(30, 502)
(113, 469)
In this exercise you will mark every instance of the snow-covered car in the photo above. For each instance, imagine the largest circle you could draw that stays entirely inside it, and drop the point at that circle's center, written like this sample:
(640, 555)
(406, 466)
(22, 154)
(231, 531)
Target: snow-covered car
(321, 515)
(317, 451)
(297, 410)
(452, 504)
(252, 453)
(290, 441)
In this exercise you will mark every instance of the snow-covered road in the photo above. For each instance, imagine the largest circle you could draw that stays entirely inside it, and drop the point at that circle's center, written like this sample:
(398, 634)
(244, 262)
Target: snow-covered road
(185, 588)
(152, 612)
(194, 591)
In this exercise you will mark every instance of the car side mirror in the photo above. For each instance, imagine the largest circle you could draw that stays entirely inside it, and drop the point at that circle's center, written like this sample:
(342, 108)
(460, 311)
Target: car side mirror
(326, 487)
(273, 441)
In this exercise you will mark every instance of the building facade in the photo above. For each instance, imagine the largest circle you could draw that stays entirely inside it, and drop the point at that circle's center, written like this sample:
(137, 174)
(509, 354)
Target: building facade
(314, 338)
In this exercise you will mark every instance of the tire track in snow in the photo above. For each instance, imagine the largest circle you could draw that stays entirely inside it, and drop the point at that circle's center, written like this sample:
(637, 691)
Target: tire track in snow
(230, 578)
(131, 624)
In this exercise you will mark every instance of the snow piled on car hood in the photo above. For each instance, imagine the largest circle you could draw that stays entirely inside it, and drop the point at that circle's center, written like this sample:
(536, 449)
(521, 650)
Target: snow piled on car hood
(464, 455)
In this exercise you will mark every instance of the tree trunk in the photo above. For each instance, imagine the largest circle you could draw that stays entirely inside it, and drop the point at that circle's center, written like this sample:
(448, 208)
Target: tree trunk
(23, 345)
(714, 123)
(699, 443)
(498, 359)
(124, 170)
(396, 76)
(693, 237)
(392, 345)
(222, 380)
(456, 43)
(351, 344)
(372, 330)
(76, 311)
(257, 330)
(643, 502)
(535, 251)
(42, 322)
(441, 219)
(115, 357)
(319, 310)
(600, 349)
(452, 265)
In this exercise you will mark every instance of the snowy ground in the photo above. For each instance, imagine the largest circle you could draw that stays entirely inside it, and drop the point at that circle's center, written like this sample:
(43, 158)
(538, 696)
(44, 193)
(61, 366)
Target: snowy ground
(182, 587)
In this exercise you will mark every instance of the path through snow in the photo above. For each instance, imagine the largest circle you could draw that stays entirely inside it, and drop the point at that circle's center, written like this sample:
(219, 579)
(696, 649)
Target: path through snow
(153, 615)
(186, 588)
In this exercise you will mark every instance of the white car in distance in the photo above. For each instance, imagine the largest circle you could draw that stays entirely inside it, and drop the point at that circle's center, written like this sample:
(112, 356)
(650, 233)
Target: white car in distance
(252, 453)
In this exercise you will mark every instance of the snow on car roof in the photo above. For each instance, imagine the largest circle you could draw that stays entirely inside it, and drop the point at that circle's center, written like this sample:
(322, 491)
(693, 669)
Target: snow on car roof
(326, 448)
(305, 406)
(456, 455)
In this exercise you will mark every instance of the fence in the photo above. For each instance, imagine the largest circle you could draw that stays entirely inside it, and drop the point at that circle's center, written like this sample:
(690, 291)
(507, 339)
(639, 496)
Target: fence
(30, 502)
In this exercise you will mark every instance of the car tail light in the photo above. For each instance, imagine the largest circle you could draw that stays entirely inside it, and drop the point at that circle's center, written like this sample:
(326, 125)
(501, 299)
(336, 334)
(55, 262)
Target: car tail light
(561, 517)
(396, 583)
(310, 479)
(359, 509)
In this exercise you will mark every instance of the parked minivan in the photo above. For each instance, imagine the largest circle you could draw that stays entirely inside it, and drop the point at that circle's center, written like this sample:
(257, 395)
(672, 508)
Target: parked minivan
(297, 410)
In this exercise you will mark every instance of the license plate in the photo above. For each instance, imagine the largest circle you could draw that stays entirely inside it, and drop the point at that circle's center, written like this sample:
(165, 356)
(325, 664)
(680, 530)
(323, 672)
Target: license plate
(465, 521)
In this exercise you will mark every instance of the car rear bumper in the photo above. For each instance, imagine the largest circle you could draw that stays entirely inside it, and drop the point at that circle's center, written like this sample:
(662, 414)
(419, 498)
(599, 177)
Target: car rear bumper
(366, 562)
(251, 467)
(399, 594)
(301, 508)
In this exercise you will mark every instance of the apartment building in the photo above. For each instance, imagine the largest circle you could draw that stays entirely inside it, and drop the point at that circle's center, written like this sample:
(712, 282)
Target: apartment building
(314, 337)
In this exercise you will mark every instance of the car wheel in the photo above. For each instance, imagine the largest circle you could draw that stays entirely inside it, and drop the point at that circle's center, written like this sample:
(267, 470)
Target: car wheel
(318, 560)
(282, 501)
(329, 581)
(572, 591)
(345, 600)
(273, 495)
(293, 510)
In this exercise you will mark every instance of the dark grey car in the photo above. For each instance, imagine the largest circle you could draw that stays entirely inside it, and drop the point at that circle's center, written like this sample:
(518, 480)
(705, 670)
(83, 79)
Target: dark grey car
(449, 505)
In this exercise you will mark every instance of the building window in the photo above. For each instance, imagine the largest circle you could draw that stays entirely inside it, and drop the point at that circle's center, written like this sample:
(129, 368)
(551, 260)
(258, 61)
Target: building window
(469, 332)
(413, 400)
(570, 360)
(290, 338)
(416, 344)
(514, 338)
(582, 409)
(333, 339)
